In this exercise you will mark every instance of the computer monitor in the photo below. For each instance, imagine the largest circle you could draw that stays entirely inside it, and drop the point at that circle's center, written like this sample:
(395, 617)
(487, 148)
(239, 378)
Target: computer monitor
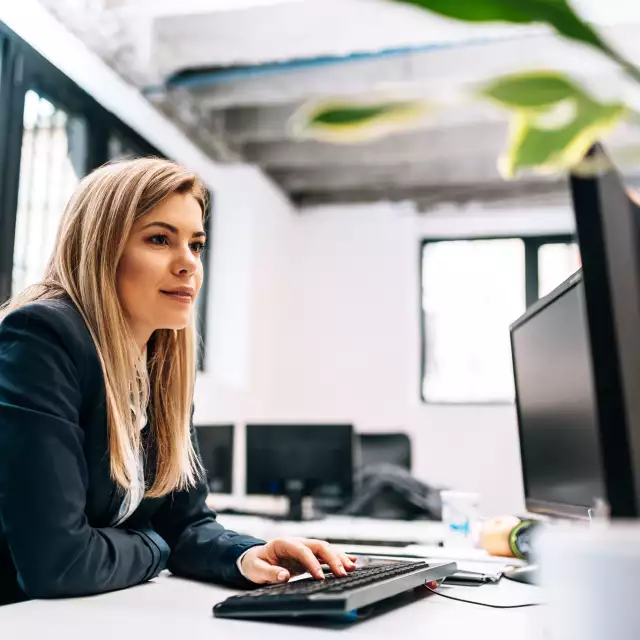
(556, 405)
(608, 227)
(216, 450)
(297, 460)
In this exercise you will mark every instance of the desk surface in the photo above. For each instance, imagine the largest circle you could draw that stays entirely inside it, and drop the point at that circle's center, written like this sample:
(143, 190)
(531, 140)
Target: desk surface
(338, 527)
(168, 608)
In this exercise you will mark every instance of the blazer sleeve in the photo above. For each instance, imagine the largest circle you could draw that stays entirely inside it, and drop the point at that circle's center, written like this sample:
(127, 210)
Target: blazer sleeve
(201, 548)
(43, 469)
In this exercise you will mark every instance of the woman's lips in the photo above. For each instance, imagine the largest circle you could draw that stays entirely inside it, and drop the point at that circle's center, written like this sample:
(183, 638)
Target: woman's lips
(177, 296)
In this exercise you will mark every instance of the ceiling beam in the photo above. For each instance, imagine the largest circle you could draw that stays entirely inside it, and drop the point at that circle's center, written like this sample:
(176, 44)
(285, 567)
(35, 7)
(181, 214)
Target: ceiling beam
(470, 169)
(503, 194)
(297, 30)
(441, 75)
(452, 146)
(246, 125)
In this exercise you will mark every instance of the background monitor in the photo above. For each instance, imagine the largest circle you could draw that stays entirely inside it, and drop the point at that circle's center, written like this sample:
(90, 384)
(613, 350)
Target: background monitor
(299, 460)
(608, 227)
(556, 405)
(216, 450)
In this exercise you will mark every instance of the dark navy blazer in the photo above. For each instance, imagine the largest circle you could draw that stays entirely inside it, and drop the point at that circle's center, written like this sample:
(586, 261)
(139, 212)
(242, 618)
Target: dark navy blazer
(57, 498)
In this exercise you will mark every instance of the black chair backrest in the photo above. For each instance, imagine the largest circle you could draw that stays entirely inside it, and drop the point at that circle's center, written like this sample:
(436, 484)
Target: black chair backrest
(391, 448)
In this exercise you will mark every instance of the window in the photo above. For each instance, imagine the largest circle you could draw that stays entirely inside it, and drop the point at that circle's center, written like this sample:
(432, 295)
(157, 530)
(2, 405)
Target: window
(53, 159)
(472, 290)
(556, 262)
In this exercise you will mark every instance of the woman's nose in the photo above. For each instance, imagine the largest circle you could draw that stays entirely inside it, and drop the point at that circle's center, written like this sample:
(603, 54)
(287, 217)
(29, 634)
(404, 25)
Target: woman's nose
(186, 262)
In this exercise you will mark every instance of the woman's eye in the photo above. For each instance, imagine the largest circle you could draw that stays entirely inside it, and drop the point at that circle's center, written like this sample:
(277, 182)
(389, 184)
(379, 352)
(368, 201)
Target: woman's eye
(198, 247)
(159, 239)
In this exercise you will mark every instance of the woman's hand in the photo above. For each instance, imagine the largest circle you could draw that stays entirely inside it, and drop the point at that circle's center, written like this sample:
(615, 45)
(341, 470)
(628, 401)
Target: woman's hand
(282, 558)
(495, 533)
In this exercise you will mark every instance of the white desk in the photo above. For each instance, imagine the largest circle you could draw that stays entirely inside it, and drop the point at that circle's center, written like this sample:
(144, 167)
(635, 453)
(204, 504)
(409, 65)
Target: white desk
(338, 527)
(170, 608)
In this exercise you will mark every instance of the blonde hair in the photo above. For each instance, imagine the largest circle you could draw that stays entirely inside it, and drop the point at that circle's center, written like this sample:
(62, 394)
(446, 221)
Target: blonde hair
(105, 205)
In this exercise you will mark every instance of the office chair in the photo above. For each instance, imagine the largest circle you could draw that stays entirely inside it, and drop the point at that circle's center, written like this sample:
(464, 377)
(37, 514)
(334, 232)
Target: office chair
(381, 448)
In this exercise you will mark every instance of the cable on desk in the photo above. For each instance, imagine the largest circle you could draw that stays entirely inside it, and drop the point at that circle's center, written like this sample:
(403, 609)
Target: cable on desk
(484, 604)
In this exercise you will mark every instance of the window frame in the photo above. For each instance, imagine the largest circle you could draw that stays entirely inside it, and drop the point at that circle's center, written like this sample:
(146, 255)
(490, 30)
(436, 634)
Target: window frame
(532, 244)
(12, 94)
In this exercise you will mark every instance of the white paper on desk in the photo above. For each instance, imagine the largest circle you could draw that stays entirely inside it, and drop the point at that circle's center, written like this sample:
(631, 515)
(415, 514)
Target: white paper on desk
(475, 560)
(492, 570)
(461, 554)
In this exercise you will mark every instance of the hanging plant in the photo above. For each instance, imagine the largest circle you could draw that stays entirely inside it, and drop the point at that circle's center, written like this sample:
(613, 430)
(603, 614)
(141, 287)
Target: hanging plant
(554, 120)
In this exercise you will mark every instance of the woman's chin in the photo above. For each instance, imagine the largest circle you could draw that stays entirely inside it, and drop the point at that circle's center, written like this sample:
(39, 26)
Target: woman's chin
(175, 323)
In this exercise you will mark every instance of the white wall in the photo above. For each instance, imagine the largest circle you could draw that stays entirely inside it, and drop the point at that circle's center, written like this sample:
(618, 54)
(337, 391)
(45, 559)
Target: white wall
(355, 335)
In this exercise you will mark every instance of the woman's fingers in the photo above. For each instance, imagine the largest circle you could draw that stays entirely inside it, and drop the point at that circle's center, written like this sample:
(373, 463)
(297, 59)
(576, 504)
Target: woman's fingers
(349, 562)
(338, 562)
(310, 553)
(298, 550)
(265, 573)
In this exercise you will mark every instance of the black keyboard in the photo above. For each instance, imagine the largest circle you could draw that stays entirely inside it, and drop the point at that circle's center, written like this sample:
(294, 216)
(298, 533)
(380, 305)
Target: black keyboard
(333, 595)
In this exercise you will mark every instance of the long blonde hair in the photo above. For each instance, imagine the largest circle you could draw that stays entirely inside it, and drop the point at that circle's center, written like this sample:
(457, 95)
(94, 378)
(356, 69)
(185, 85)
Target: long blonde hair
(89, 244)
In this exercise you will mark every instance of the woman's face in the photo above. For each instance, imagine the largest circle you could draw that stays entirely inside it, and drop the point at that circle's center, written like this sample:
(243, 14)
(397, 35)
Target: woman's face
(160, 272)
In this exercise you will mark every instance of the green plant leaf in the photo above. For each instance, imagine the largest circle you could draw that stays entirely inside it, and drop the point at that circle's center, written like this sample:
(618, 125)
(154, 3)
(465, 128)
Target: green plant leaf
(529, 90)
(553, 131)
(351, 115)
(556, 13)
(343, 122)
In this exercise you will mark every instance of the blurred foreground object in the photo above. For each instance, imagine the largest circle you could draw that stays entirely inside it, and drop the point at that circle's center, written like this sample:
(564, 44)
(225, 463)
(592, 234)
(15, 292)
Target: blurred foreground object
(339, 122)
(554, 120)
(590, 575)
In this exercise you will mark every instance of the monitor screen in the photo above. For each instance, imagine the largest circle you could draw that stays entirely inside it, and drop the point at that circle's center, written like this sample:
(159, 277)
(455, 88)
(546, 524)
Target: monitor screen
(318, 458)
(216, 451)
(555, 398)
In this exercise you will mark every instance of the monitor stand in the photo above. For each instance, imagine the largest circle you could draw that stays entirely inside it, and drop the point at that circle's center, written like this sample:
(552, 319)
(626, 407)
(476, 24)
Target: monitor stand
(528, 574)
(294, 491)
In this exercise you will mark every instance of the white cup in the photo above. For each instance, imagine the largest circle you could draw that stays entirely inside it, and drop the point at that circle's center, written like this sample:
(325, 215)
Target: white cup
(460, 511)
(591, 578)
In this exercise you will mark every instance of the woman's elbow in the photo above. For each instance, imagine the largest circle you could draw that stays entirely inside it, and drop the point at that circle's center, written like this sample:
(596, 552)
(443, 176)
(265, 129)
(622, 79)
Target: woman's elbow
(47, 585)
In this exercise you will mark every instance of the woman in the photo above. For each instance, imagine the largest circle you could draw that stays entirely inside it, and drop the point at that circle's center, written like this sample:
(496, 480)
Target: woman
(101, 486)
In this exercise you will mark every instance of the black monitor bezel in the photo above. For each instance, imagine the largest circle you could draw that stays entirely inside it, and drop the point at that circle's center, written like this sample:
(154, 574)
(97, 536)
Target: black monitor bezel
(608, 235)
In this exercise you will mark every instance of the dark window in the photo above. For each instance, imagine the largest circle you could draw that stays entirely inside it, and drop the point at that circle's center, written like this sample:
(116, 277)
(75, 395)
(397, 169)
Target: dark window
(118, 147)
(471, 291)
(203, 297)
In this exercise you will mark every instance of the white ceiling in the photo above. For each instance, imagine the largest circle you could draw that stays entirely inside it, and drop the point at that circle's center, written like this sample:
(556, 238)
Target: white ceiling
(263, 58)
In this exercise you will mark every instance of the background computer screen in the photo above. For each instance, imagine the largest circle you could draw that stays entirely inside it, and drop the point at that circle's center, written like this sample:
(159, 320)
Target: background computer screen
(319, 457)
(557, 417)
(216, 451)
